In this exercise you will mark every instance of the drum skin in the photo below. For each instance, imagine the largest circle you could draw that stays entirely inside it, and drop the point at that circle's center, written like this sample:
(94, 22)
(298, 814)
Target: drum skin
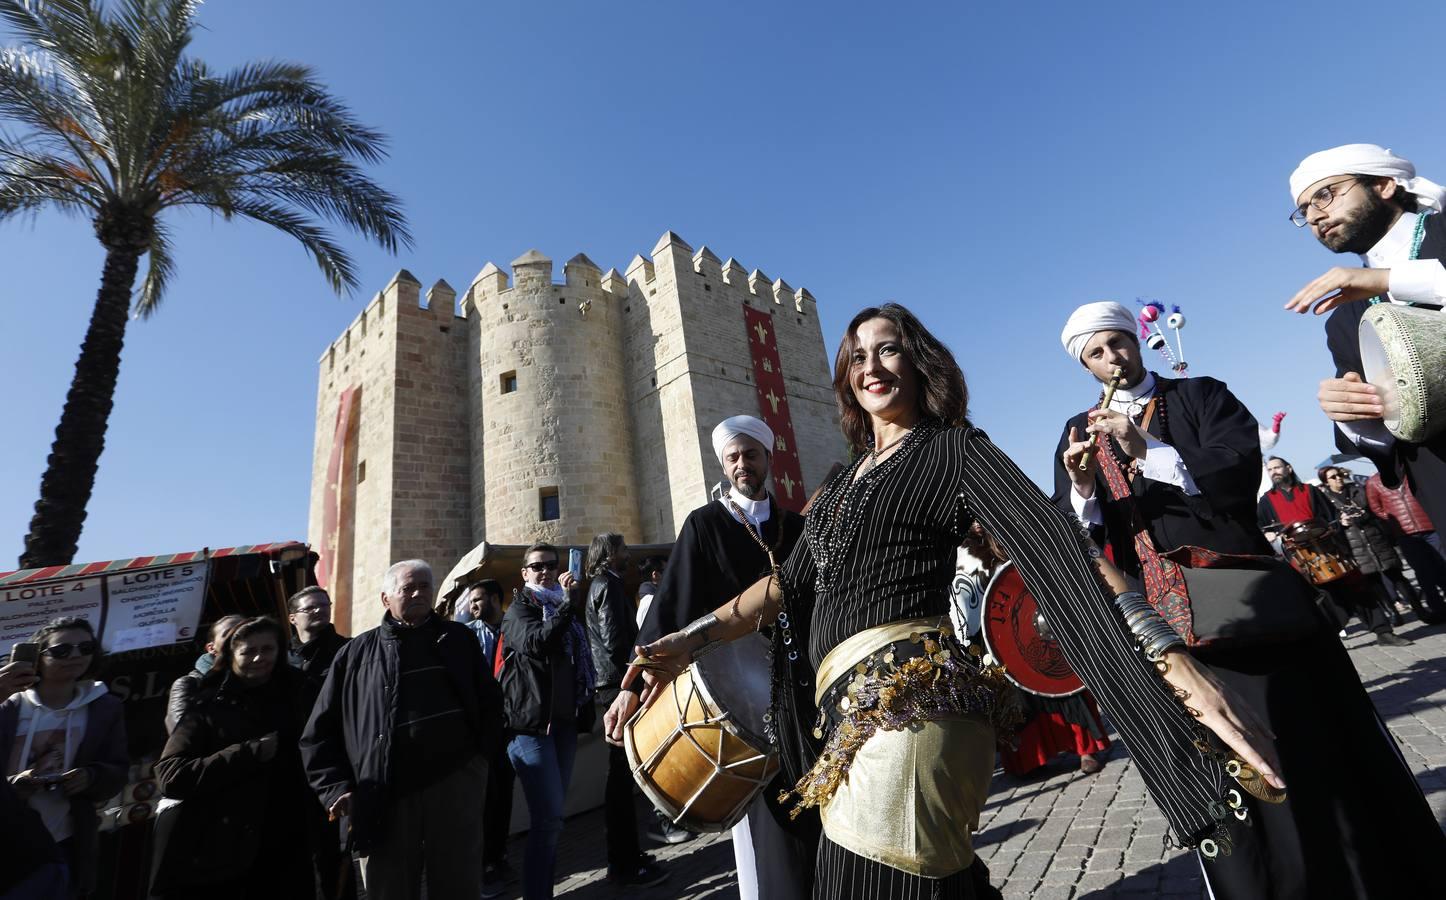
(693, 759)
(1403, 353)
(1033, 661)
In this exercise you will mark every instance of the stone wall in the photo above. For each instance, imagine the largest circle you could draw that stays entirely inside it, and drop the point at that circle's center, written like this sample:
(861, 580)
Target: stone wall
(619, 380)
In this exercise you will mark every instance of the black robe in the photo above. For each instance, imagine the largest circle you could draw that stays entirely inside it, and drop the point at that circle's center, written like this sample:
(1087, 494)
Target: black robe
(1219, 441)
(1424, 465)
(1328, 838)
(713, 561)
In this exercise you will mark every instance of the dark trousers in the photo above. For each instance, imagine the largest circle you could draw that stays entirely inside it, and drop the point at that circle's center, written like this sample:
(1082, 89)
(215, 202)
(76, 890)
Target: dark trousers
(330, 859)
(1362, 597)
(620, 814)
(1425, 560)
(497, 810)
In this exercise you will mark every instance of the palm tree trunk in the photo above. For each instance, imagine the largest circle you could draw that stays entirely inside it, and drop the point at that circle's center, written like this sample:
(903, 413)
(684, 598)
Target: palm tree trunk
(69, 477)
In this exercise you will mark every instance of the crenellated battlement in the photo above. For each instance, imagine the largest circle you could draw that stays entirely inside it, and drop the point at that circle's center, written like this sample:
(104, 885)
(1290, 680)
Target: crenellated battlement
(568, 402)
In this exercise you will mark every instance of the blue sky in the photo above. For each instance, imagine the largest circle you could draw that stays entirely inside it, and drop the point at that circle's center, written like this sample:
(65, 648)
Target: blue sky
(990, 166)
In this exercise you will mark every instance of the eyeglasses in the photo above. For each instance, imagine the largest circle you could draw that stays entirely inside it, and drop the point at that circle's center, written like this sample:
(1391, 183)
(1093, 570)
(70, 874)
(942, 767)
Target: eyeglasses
(314, 610)
(62, 651)
(548, 566)
(1334, 477)
(1321, 200)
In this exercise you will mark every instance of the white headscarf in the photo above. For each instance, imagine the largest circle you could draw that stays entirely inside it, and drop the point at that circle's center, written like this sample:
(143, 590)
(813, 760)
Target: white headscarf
(1092, 318)
(731, 427)
(1365, 159)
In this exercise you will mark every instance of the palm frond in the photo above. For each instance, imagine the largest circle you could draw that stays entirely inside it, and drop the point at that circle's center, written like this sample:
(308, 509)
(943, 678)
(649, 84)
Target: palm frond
(160, 266)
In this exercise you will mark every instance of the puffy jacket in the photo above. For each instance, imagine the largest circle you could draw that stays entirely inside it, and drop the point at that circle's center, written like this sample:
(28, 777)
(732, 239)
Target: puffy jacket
(1398, 506)
(531, 645)
(347, 744)
(1370, 545)
(241, 816)
(102, 751)
(612, 632)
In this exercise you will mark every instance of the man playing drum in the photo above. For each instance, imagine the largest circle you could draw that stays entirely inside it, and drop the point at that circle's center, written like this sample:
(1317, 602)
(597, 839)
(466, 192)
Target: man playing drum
(1289, 502)
(1165, 473)
(725, 546)
(1363, 199)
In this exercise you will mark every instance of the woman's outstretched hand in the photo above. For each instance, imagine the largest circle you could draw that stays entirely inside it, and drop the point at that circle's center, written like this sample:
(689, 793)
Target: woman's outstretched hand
(1225, 713)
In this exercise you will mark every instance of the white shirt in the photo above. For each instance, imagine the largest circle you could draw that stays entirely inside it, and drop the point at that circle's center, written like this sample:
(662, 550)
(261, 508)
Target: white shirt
(757, 511)
(1162, 462)
(1410, 281)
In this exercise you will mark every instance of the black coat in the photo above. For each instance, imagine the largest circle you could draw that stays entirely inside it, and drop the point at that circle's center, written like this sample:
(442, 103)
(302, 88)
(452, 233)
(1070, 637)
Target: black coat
(313, 659)
(347, 744)
(1423, 465)
(612, 631)
(712, 562)
(531, 647)
(241, 817)
(1370, 545)
(1219, 441)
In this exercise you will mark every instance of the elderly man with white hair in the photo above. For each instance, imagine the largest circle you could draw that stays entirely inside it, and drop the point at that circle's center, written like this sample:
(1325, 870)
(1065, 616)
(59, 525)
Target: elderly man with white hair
(1165, 475)
(399, 740)
(1365, 200)
(724, 547)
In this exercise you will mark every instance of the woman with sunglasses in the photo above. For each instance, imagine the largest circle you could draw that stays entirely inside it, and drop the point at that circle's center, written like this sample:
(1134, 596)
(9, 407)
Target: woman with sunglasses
(234, 762)
(1370, 545)
(66, 744)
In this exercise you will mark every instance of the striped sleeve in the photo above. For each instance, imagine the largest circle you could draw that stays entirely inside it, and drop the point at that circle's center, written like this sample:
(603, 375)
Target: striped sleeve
(1052, 558)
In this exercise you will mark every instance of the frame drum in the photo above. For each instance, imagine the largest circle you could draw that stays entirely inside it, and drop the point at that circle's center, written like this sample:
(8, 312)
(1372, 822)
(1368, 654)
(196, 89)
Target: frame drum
(699, 751)
(1403, 353)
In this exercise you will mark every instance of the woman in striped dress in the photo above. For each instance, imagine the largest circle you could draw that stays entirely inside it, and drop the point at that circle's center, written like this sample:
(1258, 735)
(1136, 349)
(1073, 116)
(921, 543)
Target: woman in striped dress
(907, 718)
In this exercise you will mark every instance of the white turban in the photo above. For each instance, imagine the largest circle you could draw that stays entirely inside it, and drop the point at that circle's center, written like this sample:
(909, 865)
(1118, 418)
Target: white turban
(1365, 159)
(749, 426)
(1092, 318)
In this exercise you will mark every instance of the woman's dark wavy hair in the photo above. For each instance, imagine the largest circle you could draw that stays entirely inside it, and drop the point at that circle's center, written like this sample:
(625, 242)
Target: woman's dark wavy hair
(226, 653)
(97, 659)
(943, 394)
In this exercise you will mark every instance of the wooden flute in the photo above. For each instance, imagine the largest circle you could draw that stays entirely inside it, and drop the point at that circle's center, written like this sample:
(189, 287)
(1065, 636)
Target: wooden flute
(1115, 377)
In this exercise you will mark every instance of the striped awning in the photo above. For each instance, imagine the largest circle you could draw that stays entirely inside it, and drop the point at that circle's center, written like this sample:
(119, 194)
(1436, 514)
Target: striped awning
(140, 562)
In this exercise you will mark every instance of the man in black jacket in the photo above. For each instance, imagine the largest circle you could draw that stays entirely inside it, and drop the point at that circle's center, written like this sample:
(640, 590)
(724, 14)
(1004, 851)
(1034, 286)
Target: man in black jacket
(612, 632)
(313, 646)
(398, 741)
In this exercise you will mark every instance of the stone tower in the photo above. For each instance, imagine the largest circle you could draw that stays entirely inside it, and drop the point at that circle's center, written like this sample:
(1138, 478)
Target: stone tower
(553, 411)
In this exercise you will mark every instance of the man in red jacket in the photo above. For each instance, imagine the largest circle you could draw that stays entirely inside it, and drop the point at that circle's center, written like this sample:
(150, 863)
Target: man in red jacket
(1415, 537)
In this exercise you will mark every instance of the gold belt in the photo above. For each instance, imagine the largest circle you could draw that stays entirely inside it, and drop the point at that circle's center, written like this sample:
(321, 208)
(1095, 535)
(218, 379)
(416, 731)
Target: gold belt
(847, 654)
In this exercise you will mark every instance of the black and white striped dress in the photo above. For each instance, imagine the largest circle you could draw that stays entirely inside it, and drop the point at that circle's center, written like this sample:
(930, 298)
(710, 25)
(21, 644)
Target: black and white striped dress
(882, 548)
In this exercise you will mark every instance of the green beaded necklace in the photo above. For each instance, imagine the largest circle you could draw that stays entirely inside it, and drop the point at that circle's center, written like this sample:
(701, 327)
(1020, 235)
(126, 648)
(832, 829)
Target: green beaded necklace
(1417, 237)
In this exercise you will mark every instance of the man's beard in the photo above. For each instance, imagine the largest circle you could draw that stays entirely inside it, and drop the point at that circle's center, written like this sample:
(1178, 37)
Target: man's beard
(752, 492)
(1364, 229)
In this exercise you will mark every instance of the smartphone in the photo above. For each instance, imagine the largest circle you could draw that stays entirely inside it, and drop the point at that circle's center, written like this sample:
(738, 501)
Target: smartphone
(574, 563)
(26, 652)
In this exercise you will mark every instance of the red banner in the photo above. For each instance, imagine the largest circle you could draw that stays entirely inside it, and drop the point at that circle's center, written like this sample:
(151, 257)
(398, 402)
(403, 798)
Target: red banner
(773, 407)
(331, 503)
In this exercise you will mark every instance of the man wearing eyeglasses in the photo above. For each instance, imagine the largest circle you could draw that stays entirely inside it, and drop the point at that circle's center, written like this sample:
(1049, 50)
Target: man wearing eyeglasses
(1365, 200)
(548, 682)
(313, 646)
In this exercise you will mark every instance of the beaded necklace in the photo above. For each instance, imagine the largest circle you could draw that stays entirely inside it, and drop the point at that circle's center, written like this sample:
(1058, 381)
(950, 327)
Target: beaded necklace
(1417, 237)
(839, 514)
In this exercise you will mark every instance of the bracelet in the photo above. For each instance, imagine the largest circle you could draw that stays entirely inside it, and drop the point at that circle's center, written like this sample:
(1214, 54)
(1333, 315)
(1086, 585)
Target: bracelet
(1154, 634)
(699, 627)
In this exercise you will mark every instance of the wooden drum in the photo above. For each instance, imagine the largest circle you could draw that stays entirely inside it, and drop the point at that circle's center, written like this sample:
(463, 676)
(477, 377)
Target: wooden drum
(1317, 552)
(699, 751)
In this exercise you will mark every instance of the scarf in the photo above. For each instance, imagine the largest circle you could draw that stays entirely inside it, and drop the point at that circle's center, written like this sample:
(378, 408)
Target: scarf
(574, 643)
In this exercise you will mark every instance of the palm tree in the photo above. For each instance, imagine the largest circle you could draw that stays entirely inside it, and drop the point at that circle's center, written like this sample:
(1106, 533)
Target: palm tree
(103, 115)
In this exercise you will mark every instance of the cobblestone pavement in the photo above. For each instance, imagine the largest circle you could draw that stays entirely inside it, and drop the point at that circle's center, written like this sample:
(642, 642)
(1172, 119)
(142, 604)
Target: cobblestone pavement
(1064, 835)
